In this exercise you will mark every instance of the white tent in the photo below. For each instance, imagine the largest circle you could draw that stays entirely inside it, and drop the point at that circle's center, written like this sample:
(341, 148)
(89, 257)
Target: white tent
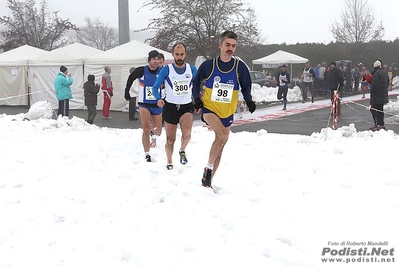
(280, 57)
(14, 85)
(120, 59)
(79, 50)
(43, 70)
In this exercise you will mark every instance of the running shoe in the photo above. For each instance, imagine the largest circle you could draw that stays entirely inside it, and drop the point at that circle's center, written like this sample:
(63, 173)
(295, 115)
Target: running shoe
(153, 142)
(148, 158)
(183, 158)
(169, 166)
(207, 178)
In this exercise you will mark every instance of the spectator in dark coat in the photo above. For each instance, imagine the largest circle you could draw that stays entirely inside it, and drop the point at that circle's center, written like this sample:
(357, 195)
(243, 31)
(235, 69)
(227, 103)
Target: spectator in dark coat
(335, 83)
(336, 79)
(378, 95)
(348, 78)
(90, 91)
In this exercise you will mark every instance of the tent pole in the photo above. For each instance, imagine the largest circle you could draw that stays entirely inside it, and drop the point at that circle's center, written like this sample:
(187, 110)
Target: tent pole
(291, 70)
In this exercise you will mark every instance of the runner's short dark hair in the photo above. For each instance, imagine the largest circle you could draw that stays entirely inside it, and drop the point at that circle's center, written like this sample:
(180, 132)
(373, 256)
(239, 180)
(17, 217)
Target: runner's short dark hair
(227, 34)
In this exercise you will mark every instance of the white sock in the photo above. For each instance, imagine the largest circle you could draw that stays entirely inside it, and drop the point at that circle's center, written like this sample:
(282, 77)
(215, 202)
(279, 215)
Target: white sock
(209, 166)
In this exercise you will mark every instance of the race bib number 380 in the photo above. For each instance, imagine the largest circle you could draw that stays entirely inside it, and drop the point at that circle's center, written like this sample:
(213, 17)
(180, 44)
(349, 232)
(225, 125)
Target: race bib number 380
(222, 92)
(181, 87)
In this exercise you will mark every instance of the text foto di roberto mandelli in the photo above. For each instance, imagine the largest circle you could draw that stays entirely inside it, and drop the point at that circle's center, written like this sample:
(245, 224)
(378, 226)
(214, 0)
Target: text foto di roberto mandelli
(355, 243)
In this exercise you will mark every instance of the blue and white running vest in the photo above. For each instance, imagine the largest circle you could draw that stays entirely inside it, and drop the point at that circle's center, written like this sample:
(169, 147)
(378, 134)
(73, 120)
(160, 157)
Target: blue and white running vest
(146, 82)
(178, 87)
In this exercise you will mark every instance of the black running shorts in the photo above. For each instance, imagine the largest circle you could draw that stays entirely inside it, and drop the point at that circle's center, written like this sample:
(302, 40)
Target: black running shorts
(172, 112)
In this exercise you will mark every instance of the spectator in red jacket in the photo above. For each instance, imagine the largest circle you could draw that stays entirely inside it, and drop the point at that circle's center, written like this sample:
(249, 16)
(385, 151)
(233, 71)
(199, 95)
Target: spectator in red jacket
(107, 91)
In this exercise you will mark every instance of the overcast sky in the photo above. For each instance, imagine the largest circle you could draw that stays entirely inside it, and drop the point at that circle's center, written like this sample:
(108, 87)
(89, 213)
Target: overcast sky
(288, 21)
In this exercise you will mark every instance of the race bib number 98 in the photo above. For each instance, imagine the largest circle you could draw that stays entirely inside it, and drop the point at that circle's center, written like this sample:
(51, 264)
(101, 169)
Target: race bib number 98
(222, 92)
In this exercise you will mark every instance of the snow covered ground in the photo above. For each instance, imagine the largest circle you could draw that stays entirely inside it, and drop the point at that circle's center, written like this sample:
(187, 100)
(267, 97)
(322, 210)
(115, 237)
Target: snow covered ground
(77, 194)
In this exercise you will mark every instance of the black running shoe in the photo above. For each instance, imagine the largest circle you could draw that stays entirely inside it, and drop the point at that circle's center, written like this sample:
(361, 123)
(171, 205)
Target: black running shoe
(183, 158)
(169, 166)
(207, 178)
(148, 158)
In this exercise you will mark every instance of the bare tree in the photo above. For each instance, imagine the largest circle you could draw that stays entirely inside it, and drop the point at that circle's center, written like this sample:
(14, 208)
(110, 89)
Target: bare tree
(37, 28)
(98, 34)
(357, 24)
(198, 23)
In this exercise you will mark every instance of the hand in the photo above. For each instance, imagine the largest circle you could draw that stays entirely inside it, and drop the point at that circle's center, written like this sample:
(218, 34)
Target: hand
(251, 105)
(198, 104)
(127, 95)
(161, 103)
(111, 94)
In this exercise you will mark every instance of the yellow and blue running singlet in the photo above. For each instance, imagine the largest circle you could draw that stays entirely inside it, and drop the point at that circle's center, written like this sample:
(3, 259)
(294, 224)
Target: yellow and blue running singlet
(221, 90)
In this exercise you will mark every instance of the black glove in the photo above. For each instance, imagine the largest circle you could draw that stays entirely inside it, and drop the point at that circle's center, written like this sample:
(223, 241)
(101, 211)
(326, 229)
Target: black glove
(251, 105)
(127, 95)
(198, 104)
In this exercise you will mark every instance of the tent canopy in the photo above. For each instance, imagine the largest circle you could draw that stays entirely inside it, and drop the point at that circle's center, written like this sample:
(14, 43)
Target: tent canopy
(20, 56)
(78, 50)
(280, 57)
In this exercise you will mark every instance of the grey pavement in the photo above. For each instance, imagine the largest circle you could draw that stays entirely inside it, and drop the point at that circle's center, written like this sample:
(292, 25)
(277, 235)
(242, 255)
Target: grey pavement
(304, 123)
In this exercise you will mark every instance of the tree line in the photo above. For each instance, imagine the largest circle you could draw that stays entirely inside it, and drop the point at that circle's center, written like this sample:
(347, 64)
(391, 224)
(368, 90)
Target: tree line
(365, 53)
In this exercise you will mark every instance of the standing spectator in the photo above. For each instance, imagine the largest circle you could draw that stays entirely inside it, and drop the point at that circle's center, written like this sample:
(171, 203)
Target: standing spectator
(177, 104)
(356, 76)
(63, 92)
(335, 83)
(348, 78)
(316, 71)
(149, 111)
(363, 82)
(133, 87)
(283, 80)
(90, 92)
(107, 91)
(307, 77)
(390, 75)
(320, 80)
(327, 78)
(378, 95)
(222, 77)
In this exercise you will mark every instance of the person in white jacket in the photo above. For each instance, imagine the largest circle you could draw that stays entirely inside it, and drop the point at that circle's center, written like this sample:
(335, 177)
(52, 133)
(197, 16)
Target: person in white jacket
(134, 92)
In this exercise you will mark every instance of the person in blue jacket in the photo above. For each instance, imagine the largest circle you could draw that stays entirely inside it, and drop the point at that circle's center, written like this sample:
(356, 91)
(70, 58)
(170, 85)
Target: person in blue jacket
(63, 92)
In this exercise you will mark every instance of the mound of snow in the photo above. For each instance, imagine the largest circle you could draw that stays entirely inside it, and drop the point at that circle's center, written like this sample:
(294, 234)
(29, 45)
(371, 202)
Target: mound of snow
(41, 109)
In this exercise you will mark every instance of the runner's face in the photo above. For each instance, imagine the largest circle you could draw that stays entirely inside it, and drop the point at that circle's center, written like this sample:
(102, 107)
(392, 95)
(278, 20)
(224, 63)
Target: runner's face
(228, 47)
(154, 63)
(179, 54)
